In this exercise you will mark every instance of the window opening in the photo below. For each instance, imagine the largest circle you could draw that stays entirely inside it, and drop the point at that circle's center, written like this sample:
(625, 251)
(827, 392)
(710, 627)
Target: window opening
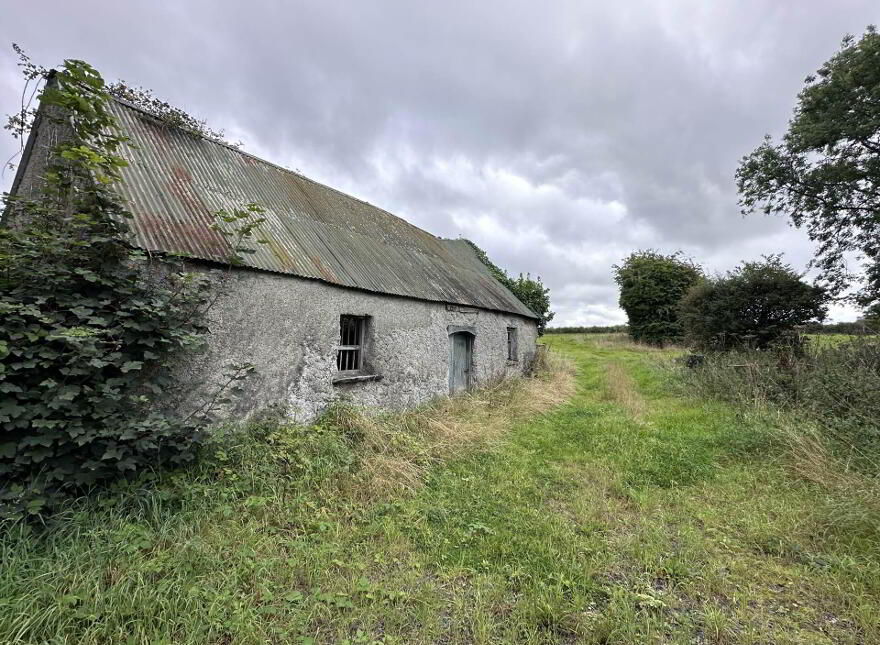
(349, 354)
(511, 343)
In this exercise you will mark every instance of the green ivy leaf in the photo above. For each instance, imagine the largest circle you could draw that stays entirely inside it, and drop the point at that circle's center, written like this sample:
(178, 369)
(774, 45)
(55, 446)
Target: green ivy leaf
(68, 392)
(131, 365)
(112, 453)
(75, 301)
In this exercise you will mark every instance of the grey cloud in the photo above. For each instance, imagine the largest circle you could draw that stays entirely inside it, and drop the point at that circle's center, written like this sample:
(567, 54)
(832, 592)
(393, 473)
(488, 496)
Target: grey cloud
(558, 137)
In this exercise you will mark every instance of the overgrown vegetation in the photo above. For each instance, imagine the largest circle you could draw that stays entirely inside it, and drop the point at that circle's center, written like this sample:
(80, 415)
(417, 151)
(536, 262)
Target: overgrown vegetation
(757, 305)
(609, 505)
(834, 387)
(531, 292)
(341, 471)
(630, 513)
(167, 114)
(89, 332)
(651, 287)
(825, 173)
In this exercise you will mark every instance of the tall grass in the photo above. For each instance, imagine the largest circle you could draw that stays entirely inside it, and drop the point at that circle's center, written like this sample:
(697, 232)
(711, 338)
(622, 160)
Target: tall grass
(823, 405)
(470, 520)
(398, 448)
(620, 388)
(835, 386)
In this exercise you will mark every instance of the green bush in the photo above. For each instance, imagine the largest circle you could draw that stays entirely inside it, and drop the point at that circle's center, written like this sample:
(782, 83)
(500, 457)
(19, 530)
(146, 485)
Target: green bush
(651, 286)
(757, 304)
(87, 338)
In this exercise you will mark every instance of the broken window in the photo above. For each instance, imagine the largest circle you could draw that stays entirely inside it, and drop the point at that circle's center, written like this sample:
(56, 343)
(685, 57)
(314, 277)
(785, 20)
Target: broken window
(511, 343)
(350, 353)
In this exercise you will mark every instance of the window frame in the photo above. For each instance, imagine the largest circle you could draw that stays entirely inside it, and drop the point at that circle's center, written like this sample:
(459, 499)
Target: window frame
(358, 347)
(513, 344)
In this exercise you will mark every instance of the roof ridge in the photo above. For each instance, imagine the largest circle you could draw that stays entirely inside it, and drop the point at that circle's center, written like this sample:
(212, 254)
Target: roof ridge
(231, 147)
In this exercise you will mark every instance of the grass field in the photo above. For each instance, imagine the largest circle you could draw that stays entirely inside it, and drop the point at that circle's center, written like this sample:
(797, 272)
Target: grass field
(601, 507)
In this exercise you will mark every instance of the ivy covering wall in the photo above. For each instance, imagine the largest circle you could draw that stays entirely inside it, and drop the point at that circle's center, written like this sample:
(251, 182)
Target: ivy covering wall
(88, 333)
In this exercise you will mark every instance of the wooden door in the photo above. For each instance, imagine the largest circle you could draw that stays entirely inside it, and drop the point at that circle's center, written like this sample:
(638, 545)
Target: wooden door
(461, 357)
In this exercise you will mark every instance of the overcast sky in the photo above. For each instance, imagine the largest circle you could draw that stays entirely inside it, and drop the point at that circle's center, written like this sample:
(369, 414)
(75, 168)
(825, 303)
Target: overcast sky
(558, 136)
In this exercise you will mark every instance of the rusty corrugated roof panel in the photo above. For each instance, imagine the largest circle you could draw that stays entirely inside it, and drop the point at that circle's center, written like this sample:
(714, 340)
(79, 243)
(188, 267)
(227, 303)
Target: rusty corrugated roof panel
(177, 181)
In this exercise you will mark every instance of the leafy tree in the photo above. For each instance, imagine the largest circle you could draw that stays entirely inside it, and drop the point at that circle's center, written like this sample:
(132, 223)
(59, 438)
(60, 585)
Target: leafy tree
(651, 286)
(825, 173)
(534, 295)
(757, 304)
(531, 292)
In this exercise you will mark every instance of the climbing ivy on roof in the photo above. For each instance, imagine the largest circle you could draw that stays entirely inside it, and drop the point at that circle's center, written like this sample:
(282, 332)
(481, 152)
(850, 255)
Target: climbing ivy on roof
(170, 115)
(90, 328)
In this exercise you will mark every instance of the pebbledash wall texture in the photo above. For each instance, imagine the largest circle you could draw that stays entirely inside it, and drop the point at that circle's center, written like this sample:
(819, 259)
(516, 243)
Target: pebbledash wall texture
(289, 329)
(342, 301)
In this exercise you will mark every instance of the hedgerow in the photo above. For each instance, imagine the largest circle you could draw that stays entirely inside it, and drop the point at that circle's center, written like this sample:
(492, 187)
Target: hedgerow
(591, 329)
(835, 387)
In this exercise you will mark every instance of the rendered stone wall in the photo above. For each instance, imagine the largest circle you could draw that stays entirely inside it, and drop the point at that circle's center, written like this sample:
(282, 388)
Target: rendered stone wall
(289, 328)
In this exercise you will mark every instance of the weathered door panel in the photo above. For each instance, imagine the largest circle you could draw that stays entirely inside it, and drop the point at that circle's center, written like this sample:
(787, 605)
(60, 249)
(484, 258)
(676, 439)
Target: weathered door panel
(460, 357)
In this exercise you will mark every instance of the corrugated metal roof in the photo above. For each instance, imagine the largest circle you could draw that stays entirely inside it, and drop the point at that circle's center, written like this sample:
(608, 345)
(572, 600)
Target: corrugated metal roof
(176, 181)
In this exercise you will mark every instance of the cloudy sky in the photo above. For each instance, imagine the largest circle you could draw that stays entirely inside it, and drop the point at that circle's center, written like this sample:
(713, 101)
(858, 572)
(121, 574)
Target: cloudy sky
(559, 136)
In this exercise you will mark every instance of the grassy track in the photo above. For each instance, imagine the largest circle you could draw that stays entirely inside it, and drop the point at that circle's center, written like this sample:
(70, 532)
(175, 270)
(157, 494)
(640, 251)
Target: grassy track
(629, 514)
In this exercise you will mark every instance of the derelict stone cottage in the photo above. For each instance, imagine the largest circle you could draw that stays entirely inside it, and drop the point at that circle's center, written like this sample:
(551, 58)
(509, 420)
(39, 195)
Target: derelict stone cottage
(345, 300)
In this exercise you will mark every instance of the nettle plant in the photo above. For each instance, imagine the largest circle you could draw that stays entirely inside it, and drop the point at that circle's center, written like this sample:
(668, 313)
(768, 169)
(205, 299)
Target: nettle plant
(90, 327)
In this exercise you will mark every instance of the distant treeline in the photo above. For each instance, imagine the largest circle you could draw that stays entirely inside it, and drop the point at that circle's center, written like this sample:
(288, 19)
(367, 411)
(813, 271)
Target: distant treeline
(596, 329)
(854, 327)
